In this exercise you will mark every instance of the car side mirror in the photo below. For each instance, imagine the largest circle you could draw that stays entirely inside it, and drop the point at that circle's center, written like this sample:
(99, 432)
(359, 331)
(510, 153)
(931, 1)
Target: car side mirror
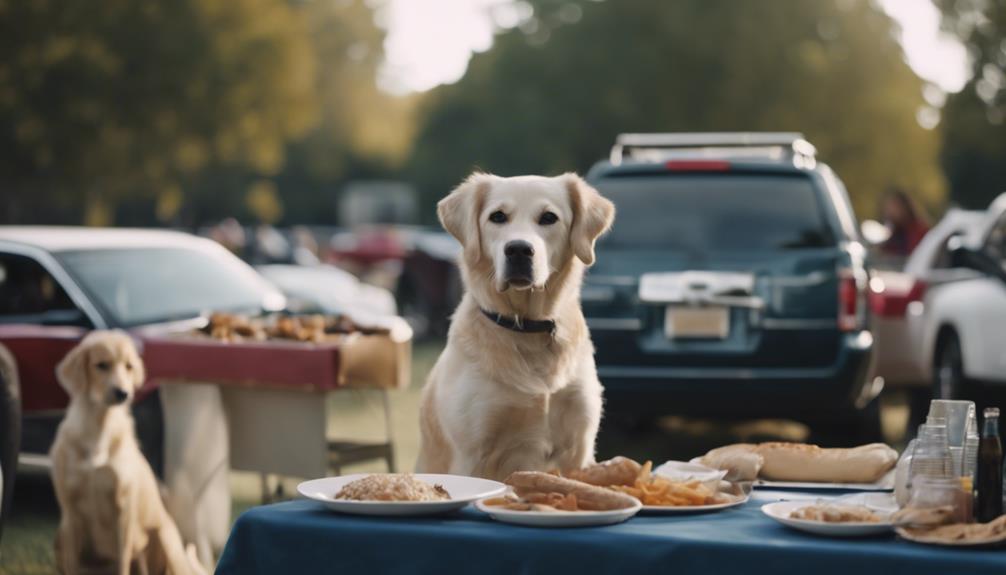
(962, 256)
(874, 232)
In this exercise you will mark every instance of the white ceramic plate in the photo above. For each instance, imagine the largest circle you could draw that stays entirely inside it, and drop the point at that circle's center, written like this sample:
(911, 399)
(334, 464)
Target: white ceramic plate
(671, 510)
(559, 518)
(781, 511)
(923, 539)
(463, 490)
(885, 483)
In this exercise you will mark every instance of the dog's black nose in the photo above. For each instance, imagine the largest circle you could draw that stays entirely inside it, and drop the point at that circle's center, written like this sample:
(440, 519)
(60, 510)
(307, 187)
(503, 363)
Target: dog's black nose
(119, 395)
(518, 249)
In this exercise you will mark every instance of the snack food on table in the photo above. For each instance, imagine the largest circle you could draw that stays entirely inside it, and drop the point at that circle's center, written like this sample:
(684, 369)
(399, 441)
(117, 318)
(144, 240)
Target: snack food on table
(654, 490)
(313, 328)
(804, 462)
(741, 461)
(927, 517)
(832, 513)
(536, 488)
(993, 532)
(230, 327)
(616, 471)
(627, 476)
(392, 487)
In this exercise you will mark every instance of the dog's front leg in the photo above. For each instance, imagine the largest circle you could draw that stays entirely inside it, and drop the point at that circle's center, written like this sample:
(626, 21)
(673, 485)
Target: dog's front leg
(127, 508)
(67, 547)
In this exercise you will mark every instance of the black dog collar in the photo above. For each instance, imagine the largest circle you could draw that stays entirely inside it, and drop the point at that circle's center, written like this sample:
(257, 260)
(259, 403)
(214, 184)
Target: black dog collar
(524, 326)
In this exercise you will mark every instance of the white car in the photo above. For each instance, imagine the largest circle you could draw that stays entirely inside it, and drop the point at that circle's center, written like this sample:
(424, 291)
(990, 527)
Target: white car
(900, 299)
(327, 289)
(964, 331)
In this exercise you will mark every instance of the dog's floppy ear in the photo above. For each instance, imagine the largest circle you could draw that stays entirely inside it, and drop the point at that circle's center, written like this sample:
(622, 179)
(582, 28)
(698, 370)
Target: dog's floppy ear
(459, 214)
(592, 216)
(72, 370)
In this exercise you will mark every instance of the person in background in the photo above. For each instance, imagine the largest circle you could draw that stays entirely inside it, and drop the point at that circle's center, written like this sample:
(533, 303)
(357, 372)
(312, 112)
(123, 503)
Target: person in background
(905, 220)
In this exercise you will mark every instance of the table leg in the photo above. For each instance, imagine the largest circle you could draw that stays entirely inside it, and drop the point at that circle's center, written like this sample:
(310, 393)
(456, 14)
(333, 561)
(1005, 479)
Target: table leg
(196, 444)
(389, 456)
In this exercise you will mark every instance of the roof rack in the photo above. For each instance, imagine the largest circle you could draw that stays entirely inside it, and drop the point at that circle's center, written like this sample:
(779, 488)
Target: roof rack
(791, 144)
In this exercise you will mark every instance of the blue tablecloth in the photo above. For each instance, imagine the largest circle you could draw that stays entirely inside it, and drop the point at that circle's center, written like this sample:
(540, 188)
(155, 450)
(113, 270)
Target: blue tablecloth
(304, 537)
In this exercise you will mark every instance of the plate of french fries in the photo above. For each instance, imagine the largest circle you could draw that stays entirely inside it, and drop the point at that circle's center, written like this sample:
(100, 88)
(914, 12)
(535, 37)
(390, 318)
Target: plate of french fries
(660, 494)
(617, 484)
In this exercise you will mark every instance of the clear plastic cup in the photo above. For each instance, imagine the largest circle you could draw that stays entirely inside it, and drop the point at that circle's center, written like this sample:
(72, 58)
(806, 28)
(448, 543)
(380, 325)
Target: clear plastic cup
(929, 492)
(958, 416)
(932, 453)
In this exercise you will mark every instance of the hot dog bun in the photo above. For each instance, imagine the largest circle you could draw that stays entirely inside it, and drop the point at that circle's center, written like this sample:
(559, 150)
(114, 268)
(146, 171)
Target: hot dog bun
(741, 461)
(588, 497)
(803, 462)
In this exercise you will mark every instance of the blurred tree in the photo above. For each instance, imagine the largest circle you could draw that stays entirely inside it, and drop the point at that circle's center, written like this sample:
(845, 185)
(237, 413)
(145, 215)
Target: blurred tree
(101, 100)
(975, 118)
(362, 131)
(552, 93)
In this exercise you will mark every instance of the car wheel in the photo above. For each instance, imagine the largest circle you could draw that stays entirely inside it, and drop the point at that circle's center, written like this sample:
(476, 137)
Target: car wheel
(949, 381)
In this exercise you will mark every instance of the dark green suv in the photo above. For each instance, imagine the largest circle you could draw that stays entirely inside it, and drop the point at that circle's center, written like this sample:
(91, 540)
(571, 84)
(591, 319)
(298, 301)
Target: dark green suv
(733, 284)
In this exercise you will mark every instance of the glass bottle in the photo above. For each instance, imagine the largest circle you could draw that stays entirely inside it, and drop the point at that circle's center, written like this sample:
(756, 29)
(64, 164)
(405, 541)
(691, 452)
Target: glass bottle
(989, 475)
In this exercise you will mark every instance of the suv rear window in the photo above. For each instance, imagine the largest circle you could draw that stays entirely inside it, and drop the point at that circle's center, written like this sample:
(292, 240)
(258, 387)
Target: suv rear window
(715, 212)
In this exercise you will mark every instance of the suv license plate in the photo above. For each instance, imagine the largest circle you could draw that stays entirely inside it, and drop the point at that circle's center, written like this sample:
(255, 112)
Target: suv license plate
(697, 322)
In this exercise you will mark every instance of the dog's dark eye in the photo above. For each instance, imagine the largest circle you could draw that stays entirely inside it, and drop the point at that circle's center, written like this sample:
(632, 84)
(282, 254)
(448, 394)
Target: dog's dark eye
(497, 217)
(129, 367)
(547, 219)
(103, 365)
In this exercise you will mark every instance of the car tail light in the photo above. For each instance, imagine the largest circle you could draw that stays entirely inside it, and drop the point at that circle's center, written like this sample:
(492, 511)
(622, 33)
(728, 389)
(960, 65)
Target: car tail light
(893, 300)
(697, 165)
(851, 301)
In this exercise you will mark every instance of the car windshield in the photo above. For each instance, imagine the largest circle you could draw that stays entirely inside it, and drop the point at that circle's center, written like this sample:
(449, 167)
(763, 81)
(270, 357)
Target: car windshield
(715, 212)
(149, 285)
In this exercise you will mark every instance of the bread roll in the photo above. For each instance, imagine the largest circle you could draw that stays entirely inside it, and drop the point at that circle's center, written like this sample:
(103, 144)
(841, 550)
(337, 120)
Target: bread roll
(616, 471)
(741, 461)
(803, 462)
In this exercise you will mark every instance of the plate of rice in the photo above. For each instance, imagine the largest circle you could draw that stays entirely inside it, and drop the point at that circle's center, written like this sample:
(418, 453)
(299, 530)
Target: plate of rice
(398, 493)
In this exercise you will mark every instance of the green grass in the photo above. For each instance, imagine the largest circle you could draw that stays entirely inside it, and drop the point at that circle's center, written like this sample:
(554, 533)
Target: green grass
(26, 548)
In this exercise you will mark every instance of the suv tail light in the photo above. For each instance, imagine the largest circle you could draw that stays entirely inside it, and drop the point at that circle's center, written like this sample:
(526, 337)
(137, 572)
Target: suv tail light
(697, 165)
(893, 300)
(851, 301)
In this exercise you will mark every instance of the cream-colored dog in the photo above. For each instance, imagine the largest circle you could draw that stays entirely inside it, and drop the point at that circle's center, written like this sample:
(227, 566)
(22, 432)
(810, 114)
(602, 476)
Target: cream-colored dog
(516, 387)
(113, 519)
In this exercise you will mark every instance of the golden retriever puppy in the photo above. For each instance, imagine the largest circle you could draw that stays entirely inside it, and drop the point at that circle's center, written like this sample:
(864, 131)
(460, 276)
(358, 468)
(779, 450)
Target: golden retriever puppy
(113, 519)
(516, 388)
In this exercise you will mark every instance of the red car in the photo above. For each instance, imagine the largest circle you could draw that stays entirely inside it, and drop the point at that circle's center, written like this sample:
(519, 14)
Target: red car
(58, 282)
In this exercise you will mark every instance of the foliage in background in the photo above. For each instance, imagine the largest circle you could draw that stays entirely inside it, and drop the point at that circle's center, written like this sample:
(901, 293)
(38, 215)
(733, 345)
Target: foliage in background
(139, 113)
(552, 94)
(123, 112)
(362, 132)
(974, 155)
(105, 100)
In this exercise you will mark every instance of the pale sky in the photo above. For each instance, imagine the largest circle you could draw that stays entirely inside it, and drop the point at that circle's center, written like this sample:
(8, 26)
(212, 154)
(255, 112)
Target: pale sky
(429, 42)
(933, 54)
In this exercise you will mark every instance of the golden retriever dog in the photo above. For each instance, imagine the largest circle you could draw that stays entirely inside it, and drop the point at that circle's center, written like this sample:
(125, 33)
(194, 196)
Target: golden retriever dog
(516, 387)
(113, 519)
